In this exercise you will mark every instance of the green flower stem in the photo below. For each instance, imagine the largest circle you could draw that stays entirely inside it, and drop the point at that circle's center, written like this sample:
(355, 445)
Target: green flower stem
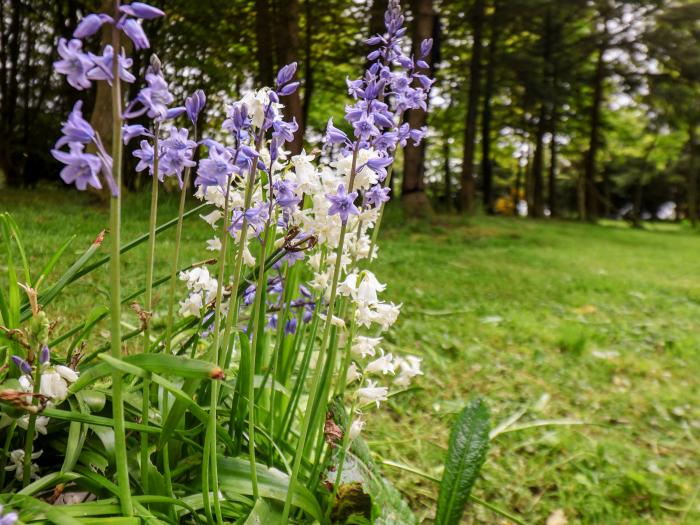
(342, 378)
(6, 451)
(31, 430)
(341, 457)
(176, 258)
(375, 231)
(209, 461)
(316, 381)
(303, 369)
(115, 282)
(148, 306)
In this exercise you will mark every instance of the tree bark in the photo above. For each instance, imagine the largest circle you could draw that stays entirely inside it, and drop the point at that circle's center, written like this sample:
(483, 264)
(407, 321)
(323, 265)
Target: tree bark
(591, 198)
(466, 195)
(265, 43)
(308, 64)
(413, 187)
(288, 52)
(537, 166)
(486, 160)
(552, 176)
(692, 179)
(447, 173)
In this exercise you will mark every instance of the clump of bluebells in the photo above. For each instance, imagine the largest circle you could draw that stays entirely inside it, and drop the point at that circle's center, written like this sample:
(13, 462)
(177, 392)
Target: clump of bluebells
(286, 310)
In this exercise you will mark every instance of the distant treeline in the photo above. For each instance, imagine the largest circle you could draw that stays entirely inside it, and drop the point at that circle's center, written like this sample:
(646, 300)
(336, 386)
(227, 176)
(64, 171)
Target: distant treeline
(583, 108)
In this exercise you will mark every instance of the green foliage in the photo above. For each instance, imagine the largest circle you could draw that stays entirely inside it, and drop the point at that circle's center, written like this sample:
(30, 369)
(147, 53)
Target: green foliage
(469, 442)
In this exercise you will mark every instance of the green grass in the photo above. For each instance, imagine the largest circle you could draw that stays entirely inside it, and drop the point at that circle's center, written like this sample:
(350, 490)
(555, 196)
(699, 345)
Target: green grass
(546, 320)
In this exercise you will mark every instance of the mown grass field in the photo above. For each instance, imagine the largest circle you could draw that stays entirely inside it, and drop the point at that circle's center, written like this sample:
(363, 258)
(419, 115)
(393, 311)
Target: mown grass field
(585, 338)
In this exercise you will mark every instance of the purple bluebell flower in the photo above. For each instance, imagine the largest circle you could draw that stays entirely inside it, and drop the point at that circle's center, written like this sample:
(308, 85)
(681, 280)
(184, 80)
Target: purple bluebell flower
(132, 131)
(425, 47)
(290, 327)
(285, 194)
(379, 165)
(146, 157)
(154, 98)
(80, 168)
(286, 74)
(238, 119)
(102, 69)
(215, 170)
(272, 323)
(195, 104)
(174, 161)
(134, 30)
(289, 89)
(249, 295)
(91, 24)
(76, 128)
(342, 203)
(25, 367)
(74, 63)
(9, 518)
(365, 128)
(292, 257)
(376, 195)
(44, 355)
(141, 10)
(308, 314)
(334, 135)
(175, 112)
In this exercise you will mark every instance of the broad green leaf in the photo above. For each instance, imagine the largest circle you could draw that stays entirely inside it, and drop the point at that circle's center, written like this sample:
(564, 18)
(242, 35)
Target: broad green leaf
(469, 442)
(234, 476)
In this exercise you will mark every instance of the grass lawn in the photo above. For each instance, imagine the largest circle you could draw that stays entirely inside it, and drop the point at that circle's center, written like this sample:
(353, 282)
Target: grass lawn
(584, 337)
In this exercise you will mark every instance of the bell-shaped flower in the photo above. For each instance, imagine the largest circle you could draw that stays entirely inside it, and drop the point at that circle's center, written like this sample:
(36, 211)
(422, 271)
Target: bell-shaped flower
(74, 63)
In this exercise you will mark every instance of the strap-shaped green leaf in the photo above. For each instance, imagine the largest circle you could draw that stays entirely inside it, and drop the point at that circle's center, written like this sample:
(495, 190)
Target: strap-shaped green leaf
(469, 442)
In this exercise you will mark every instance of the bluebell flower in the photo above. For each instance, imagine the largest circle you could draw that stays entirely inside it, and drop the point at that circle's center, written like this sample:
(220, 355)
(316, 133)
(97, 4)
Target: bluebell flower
(379, 165)
(74, 63)
(102, 69)
(9, 518)
(215, 170)
(146, 156)
(290, 327)
(154, 99)
(342, 203)
(24, 367)
(376, 195)
(249, 295)
(132, 131)
(44, 355)
(364, 127)
(76, 128)
(141, 10)
(80, 168)
(194, 105)
(133, 29)
(91, 24)
(334, 135)
(285, 195)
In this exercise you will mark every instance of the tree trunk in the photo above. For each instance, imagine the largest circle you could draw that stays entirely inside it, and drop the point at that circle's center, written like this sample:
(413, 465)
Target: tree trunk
(518, 188)
(413, 188)
(552, 176)
(265, 43)
(466, 195)
(692, 179)
(537, 166)
(447, 173)
(486, 160)
(308, 64)
(288, 52)
(591, 199)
